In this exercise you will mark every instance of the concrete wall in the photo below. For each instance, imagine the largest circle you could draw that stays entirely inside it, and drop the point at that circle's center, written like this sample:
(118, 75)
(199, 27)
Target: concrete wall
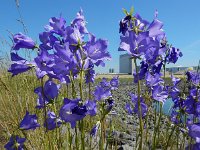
(126, 64)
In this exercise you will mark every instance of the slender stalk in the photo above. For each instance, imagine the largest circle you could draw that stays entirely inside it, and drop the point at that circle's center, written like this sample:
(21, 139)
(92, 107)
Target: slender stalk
(139, 106)
(25, 135)
(45, 110)
(154, 131)
(168, 140)
(90, 141)
(81, 122)
(160, 116)
(74, 96)
(147, 130)
(102, 137)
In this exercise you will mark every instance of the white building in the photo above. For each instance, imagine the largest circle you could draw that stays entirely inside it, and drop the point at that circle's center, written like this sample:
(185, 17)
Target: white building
(126, 64)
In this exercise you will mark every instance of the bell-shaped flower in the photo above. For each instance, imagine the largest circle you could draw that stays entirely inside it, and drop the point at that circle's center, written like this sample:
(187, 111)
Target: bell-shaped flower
(72, 111)
(49, 92)
(48, 40)
(143, 109)
(175, 80)
(52, 121)
(101, 93)
(155, 29)
(173, 55)
(15, 143)
(128, 108)
(29, 122)
(194, 130)
(50, 89)
(80, 23)
(56, 25)
(91, 107)
(44, 62)
(94, 130)
(19, 65)
(96, 49)
(22, 41)
(159, 94)
(114, 82)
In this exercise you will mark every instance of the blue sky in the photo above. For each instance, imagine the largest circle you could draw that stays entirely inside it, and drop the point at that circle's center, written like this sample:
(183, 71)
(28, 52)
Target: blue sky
(181, 21)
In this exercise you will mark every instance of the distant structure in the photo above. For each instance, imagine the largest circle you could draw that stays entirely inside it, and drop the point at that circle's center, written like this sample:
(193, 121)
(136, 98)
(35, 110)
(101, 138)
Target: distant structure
(180, 70)
(111, 70)
(126, 64)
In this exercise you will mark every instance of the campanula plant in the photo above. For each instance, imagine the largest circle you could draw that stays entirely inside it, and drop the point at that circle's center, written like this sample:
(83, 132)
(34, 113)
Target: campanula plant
(66, 55)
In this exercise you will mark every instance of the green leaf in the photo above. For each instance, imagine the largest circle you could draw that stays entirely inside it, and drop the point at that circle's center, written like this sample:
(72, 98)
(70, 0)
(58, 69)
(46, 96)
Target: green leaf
(125, 12)
(132, 11)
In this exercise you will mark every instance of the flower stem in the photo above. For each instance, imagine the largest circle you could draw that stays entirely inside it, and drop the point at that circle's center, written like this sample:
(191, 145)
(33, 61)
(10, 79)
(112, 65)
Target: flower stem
(172, 131)
(139, 107)
(81, 122)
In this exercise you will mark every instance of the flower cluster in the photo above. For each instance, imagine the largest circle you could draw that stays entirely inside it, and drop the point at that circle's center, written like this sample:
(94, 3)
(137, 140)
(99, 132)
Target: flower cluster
(63, 50)
(146, 41)
(66, 53)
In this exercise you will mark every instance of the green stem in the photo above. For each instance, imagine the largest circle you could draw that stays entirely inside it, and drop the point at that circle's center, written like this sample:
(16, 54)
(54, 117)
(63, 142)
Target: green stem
(154, 131)
(90, 122)
(160, 116)
(81, 122)
(172, 131)
(139, 107)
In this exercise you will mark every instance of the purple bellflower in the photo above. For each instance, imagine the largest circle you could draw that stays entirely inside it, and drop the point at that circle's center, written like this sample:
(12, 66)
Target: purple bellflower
(52, 121)
(22, 41)
(91, 107)
(159, 94)
(114, 82)
(72, 111)
(101, 93)
(20, 64)
(15, 143)
(29, 122)
(94, 130)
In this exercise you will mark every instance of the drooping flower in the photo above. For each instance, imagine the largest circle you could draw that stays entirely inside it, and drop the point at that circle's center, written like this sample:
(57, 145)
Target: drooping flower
(175, 80)
(50, 89)
(193, 76)
(173, 55)
(194, 130)
(29, 122)
(114, 82)
(90, 75)
(91, 107)
(159, 94)
(155, 29)
(80, 23)
(128, 108)
(56, 25)
(22, 41)
(101, 93)
(124, 24)
(20, 64)
(15, 143)
(52, 121)
(109, 105)
(71, 111)
(44, 62)
(143, 108)
(94, 130)
(47, 94)
(96, 50)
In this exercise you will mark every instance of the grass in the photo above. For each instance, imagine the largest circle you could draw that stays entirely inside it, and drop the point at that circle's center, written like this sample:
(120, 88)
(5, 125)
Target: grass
(17, 95)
